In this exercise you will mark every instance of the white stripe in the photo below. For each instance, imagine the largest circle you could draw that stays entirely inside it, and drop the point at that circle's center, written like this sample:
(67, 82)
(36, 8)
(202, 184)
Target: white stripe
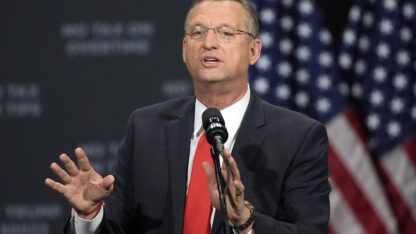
(354, 156)
(342, 218)
(398, 167)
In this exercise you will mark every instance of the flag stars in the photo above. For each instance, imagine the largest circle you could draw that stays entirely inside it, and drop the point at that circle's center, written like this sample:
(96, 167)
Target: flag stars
(261, 85)
(400, 82)
(305, 7)
(383, 50)
(303, 53)
(405, 34)
(324, 82)
(408, 11)
(267, 39)
(413, 113)
(393, 129)
(403, 58)
(345, 60)
(360, 67)
(386, 27)
(349, 37)
(286, 23)
(325, 37)
(287, 3)
(373, 121)
(282, 92)
(302, 76)
(368, 19)
(304, 30)
(343, 88)
(264, 63)
(363, 43)
(286, 46)
(390, 4)
(323, 105)
(376, 98)
(355, 13)
(357, 90)
(284, 69)
(267, 16)
(325, 59)
(301, 99)
(396, 105)
(380, 74)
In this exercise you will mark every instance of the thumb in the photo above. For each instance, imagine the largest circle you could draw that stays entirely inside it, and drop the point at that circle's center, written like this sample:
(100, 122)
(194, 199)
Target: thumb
(108, 182)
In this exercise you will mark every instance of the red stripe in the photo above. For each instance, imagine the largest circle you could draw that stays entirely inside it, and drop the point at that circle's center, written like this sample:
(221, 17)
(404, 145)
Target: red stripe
(354, 196)
(330, 230)
(352, 117)
(410, 148)
(406, 223)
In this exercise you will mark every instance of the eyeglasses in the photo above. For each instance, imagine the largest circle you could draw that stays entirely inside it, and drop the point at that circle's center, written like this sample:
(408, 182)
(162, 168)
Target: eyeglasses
(223, 34)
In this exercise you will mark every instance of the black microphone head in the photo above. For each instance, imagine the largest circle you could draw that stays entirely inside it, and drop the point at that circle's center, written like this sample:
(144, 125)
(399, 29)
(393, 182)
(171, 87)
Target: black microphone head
(214, 125)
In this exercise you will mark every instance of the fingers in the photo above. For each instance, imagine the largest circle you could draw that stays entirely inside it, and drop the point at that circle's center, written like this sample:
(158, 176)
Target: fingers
(210, 172)
(236, 186)
(83, 162)
(55, 185)
(62, 174)
(233, 165)
(70, 166)
(108, 182)
(212, 183)
(239, 189)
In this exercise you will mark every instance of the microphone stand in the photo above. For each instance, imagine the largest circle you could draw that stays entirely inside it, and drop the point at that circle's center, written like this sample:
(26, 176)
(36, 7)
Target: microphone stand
(215, 154)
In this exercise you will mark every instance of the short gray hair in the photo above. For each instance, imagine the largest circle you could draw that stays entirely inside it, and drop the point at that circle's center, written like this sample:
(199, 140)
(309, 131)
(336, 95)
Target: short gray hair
(251, 14)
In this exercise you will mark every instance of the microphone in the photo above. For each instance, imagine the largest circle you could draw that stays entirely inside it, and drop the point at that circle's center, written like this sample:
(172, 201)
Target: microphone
(217, 135)
(214, 127)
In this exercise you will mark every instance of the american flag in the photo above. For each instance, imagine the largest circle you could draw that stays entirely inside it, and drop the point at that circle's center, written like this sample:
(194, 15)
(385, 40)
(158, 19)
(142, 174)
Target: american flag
(365, 97)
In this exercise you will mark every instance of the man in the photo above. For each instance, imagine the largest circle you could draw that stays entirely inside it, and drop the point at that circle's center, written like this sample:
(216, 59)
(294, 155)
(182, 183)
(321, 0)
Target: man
(278, 159)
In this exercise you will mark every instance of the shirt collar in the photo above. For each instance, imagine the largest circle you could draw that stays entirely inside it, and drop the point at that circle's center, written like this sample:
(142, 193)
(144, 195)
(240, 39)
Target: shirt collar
(233, 115)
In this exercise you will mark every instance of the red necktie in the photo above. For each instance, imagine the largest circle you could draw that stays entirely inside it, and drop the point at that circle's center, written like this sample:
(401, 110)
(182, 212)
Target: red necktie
(198, 205)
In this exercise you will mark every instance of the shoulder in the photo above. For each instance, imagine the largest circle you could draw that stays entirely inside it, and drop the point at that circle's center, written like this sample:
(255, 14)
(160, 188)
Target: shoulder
(274, 114)
(166, 110)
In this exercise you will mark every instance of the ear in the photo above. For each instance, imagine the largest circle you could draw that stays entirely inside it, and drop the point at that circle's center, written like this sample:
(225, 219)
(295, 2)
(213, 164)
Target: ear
(184, 49)
(255, 51)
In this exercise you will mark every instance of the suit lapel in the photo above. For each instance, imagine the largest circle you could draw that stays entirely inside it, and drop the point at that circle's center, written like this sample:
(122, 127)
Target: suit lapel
(250, 137)
(178, 135)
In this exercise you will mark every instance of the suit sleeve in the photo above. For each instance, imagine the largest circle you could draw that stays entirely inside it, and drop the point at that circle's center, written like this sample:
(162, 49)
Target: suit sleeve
(304, 207)
(118, 211)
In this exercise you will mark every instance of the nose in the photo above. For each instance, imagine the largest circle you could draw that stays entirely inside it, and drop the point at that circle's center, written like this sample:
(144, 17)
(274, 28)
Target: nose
(210, 40)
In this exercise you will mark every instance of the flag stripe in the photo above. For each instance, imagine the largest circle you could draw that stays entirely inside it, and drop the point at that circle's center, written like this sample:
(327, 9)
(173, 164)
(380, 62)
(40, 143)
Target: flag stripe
(407, 224)
(343, 220)
(410, 148)
(353, 155)
(403, 176)
(354, 196)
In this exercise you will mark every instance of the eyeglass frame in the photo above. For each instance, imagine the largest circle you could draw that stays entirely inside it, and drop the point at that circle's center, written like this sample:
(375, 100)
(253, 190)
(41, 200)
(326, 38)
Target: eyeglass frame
(215, 30)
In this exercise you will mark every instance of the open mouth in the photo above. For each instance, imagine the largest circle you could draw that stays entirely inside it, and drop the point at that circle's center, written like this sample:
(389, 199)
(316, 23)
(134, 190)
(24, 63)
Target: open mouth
(210, 61)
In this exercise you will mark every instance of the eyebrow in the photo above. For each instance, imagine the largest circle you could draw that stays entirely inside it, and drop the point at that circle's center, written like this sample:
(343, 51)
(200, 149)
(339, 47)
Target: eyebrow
(201, 25)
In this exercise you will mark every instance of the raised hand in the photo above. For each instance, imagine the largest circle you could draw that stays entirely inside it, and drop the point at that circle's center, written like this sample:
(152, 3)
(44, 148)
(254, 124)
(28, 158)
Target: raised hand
(83, 187)
(237, 211)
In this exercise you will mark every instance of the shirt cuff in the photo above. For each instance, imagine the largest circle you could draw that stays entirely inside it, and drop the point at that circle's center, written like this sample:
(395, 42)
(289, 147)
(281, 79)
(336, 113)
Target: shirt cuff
(249, 232)
(83, 226)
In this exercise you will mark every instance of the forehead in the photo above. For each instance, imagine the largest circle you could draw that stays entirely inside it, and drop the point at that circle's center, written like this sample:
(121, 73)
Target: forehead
(217, 13)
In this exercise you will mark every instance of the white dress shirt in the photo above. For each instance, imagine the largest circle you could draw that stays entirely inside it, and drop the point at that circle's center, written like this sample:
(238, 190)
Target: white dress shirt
(233, 115)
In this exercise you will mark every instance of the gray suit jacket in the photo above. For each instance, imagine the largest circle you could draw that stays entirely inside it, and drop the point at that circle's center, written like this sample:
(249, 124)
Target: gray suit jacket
(282, 157)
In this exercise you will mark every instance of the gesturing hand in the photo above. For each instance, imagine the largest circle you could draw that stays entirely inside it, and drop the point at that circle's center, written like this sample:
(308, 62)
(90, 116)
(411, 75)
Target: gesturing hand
(237, 211)
(83, 187)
